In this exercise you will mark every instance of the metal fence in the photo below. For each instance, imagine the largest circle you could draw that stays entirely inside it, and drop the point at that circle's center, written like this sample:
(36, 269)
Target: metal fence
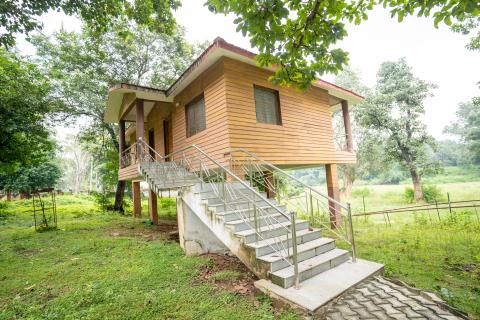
(435, 207)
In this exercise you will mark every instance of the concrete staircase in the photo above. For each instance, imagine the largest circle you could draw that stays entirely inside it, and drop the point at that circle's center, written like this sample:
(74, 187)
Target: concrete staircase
(233, 216)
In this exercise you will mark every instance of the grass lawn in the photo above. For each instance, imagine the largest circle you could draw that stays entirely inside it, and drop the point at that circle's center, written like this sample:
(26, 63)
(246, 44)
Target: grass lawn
(101, 265)
(104, 266)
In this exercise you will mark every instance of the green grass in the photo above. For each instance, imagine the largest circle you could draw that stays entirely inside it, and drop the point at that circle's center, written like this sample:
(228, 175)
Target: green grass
(442, 258)
(102, 266)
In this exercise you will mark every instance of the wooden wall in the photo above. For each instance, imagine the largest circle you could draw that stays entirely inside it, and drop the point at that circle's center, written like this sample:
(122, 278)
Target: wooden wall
(306, 134)
(214, 139)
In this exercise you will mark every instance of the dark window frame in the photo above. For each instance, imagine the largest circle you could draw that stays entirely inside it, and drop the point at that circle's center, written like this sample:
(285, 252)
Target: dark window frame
(189, 104)
(279, 112)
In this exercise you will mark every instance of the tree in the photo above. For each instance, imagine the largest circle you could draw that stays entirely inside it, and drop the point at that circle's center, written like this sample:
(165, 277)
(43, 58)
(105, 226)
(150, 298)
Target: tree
(83, 67)
(25, 103)
(394, 112)
(30, 178)
(21, 16)
(300, 37)
(467, 127)
(368, 147)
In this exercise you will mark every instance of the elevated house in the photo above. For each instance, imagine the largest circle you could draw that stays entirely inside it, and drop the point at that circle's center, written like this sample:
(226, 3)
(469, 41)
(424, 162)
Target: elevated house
(220, 139)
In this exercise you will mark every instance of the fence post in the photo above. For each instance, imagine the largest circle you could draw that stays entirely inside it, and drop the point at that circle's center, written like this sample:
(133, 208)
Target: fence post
(363, 198)
(449, 204)
(438, 211)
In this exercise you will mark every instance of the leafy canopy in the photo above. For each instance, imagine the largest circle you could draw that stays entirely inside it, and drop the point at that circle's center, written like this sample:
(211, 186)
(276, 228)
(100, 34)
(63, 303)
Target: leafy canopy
(30, 178)
(21, 16)
(393, 114)
(467, 127)
(25, 103)
(300, 37)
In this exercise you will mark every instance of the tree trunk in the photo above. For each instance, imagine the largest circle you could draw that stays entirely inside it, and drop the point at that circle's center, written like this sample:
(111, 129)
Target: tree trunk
(120, 191)
(417, 185)
(9, 195)
(118, 206)
(347, 184)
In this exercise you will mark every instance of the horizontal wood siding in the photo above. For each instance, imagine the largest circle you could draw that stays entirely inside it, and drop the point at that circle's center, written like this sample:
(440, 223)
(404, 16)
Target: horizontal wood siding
(306, 134)
(214, 139)
(129, 173)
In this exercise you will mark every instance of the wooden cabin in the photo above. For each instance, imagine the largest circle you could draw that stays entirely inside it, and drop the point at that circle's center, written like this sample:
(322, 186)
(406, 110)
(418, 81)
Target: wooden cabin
(224, 101)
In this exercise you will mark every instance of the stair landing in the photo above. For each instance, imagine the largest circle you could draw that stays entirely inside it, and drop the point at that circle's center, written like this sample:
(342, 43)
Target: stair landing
(319, 290)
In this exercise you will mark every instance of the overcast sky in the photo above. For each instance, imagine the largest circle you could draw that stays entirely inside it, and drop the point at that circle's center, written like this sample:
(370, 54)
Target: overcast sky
(436, 55)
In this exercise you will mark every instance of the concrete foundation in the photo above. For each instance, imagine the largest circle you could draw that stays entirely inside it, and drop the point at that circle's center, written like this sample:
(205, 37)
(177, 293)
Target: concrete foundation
(195, 237)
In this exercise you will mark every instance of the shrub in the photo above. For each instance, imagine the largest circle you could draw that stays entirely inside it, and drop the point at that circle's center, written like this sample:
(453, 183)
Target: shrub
(361, 192)
(430, 194)
(102, 200)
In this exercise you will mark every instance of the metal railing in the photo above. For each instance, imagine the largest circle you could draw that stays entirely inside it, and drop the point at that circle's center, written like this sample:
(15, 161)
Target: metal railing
(322, 211)
(236, 196)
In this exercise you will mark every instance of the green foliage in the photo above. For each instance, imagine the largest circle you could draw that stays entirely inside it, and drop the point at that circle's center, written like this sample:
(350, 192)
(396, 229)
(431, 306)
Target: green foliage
(361, 192)
(431, 193)
(28, 179)
(393, 114)
(25, 102)
(301, 37)
(99, 16)
(467, 127)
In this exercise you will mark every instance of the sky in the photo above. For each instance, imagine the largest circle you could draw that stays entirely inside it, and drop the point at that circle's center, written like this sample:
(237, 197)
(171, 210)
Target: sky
(436, 55)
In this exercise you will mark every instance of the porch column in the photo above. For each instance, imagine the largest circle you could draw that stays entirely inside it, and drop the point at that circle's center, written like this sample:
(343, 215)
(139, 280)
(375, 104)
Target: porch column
(269, 184)
(137, 199)
(347, 125)
(152, 207)
(121, 140)
(140, 127)
(334, 193)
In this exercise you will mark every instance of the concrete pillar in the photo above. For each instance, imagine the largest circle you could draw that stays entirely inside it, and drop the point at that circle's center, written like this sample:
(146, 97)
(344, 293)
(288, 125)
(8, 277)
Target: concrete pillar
(121, 140)
(152, 207)
(269, 184)
(137, 199)
(347, 125)
(334, 193)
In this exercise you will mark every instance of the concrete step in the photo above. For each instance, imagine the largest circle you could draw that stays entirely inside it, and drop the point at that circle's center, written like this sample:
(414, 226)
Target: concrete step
(264, 247)
(209, 187)
(241, 204)
(279, 260)
(285, 277)
(321, 289)
(248, 222)
(270, 231)
(238, 214)
(214, 199)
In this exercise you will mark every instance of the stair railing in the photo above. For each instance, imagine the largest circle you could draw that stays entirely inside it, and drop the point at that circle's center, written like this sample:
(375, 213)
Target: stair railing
(322, 210)
(252, 207)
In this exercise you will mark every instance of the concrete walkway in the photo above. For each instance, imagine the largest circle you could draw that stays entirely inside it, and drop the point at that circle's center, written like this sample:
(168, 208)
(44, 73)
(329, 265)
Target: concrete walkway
(378, 298)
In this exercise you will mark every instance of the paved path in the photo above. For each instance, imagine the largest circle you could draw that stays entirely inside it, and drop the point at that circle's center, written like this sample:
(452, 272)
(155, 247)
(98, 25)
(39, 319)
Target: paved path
(379, 298)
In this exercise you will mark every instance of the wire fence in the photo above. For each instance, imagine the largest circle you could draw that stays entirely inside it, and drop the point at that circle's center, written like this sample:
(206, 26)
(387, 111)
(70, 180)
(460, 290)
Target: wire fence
(437, 208)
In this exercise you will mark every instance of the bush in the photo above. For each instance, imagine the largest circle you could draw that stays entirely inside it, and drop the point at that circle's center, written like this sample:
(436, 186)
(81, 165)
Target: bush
(430, 194)
(361, 192)
(102, 200)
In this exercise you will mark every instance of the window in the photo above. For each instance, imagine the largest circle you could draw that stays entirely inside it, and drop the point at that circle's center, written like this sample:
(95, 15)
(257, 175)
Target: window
(195, 116)
(267, 105)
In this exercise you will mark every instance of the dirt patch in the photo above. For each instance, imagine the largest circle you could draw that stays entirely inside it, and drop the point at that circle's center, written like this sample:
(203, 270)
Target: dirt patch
(164, 230)
(227, 272)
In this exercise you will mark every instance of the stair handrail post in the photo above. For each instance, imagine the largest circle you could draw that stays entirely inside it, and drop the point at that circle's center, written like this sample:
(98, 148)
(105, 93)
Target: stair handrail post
(200, 169)
(352, 237)
(311, 207)
(294, 248)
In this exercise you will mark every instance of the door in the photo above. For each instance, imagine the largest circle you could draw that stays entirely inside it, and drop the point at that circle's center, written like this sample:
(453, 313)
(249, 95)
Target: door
(151, 142)
(166, 138)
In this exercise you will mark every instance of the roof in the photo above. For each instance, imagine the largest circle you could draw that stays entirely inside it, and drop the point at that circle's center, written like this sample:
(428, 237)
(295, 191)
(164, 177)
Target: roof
(219, 48)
